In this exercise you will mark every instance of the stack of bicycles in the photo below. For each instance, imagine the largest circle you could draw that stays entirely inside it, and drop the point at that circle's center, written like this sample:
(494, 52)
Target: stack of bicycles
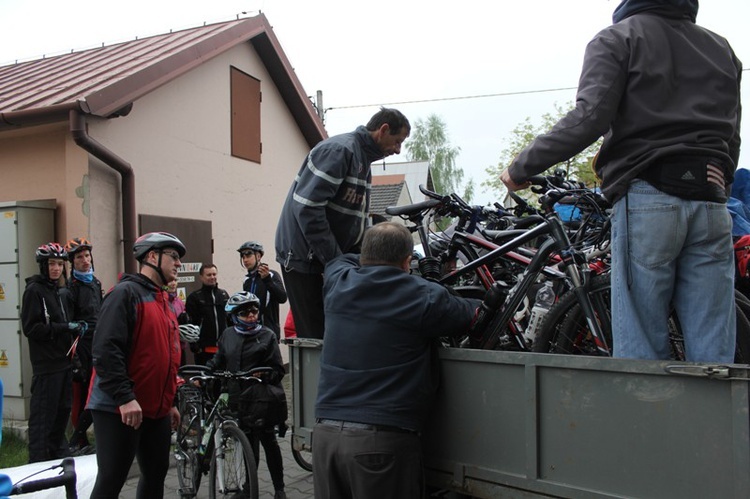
(514, 253)
(209, 438)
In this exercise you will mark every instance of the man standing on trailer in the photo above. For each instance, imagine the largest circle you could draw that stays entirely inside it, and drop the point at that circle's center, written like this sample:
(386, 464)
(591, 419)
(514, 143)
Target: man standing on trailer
(665, 93)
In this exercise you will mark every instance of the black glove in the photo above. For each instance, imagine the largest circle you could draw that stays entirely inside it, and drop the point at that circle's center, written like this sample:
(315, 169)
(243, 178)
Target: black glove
(79, 327)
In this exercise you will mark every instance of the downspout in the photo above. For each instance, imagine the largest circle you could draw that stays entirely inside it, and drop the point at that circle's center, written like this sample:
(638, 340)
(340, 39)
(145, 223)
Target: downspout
(127, 179)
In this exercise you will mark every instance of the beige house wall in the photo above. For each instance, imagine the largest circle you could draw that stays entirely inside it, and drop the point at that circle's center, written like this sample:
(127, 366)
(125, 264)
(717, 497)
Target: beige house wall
(44, 163)
(177, 140)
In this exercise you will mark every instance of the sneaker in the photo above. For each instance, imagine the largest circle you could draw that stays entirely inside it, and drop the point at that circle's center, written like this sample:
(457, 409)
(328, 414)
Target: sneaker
(279, 494)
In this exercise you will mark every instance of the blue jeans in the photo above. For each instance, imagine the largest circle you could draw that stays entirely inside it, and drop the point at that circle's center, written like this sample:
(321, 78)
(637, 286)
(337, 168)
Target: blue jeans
(671, 252)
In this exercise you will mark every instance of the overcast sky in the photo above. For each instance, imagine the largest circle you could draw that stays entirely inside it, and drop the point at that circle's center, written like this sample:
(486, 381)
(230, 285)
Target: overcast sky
(386, 53)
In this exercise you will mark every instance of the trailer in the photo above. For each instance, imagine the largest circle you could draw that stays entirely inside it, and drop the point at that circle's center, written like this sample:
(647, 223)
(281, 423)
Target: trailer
(523, 425)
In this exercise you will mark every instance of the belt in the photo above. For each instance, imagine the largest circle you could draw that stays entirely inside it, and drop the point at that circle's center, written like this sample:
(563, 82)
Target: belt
(364, 426)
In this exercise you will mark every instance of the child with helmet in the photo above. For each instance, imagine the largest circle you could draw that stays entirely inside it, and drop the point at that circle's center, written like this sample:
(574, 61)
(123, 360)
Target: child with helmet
(245, 345)
(46, 322)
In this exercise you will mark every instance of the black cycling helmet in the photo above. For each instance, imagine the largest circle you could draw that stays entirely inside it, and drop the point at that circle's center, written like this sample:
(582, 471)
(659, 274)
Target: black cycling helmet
(156, 241)
(240, 301)
(77, 244)
(251, 246)
(50, 250)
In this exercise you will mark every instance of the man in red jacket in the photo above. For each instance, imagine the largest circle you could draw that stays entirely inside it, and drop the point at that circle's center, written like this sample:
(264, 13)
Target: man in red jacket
(136, 356)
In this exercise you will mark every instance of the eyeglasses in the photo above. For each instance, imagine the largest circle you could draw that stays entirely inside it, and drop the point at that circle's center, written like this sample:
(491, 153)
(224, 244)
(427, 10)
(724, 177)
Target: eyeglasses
(171, 254)
(247, 312)
(247, 253)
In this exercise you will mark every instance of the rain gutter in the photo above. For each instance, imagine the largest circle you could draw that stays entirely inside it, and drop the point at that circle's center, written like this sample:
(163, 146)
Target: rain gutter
(81, 137)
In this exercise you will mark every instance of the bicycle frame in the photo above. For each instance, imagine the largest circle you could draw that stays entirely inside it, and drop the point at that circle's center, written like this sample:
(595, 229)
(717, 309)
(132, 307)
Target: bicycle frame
(575, 270)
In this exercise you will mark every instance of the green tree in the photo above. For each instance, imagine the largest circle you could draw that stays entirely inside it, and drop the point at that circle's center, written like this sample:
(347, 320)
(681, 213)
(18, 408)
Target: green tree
(429, 142)
(579, 167)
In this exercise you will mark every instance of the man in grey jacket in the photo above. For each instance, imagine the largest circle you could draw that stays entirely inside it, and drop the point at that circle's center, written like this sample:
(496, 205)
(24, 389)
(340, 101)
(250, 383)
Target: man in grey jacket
(325, 212)
(665, 93)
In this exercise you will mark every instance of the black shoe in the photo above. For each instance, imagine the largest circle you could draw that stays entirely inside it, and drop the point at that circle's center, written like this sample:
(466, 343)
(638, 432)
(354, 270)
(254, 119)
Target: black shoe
(279, 494)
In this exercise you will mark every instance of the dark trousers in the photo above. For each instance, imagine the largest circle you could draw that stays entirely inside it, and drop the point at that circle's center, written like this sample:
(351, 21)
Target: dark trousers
(367, 464)
(305, 292)
(267, 438)
(117, 445)
(49, 411)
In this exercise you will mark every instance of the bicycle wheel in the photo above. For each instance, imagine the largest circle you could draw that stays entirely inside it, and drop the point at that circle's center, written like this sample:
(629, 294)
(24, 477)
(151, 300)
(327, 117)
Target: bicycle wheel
(564, 328)
(303, 458)
(188, 440)
(233, 471)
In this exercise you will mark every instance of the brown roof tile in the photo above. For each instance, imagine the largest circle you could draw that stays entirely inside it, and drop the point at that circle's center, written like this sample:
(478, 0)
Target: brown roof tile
(103, 80)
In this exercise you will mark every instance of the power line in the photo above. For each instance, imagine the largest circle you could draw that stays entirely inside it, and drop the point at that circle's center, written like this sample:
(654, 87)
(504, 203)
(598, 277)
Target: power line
(443, 99)
(502, 94)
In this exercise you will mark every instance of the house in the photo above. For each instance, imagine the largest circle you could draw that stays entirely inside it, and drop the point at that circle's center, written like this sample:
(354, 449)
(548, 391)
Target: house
(197, 132)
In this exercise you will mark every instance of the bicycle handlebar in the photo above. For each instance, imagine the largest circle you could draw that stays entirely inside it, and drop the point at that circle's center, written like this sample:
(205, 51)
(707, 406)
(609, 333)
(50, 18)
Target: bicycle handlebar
(66, 479)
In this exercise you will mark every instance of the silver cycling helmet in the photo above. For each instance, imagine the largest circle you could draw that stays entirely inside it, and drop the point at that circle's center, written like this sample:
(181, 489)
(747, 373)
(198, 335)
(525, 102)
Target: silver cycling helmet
(157, 241)
(251, 246)
(240, 301)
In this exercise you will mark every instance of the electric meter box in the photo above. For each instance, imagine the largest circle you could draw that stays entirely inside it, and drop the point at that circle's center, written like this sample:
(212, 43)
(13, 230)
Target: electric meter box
(24, 226)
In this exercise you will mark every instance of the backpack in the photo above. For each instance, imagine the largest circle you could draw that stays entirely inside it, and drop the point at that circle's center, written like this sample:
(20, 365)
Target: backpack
(742, 257)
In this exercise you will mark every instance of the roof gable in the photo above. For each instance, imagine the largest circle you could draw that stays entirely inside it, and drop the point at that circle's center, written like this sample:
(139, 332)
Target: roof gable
(106, 81)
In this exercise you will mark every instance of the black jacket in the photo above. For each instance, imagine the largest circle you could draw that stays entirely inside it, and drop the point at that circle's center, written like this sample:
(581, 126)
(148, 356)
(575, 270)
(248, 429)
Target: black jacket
(378, 364)
(44, 319)
(242, 352)
(85, 301)
(270, 291)
(205, 308)
(656, 87)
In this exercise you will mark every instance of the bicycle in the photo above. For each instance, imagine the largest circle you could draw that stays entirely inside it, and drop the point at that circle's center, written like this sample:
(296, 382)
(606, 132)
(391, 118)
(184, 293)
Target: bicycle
(67, 478)
(499, 328)
(210, 436)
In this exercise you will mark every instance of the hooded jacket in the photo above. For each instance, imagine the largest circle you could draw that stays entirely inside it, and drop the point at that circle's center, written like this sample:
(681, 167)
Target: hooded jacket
(658, 87)
(44, 319)
(325, 212)
(270, 291)
(136, 349)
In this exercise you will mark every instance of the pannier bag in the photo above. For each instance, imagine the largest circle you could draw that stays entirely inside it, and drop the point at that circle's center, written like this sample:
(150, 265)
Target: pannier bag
(258, 404)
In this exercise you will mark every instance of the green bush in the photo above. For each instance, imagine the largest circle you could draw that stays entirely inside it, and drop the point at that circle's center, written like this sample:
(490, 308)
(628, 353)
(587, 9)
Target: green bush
(13, 451)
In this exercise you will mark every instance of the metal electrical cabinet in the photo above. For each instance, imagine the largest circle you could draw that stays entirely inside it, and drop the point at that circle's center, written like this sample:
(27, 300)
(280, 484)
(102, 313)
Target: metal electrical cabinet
(24, 225)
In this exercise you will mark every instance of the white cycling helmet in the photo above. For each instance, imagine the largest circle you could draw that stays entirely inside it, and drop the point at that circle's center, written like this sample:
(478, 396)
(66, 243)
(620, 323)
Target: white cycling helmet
(190, 333)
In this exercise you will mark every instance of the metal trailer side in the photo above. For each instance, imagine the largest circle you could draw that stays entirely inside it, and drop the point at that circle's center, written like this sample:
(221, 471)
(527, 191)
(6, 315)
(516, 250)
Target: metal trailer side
(523, 425)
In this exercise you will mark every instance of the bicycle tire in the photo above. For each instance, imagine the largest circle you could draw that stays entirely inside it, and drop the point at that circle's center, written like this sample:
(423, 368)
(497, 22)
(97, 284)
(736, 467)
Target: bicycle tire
(240, 474)
(558, 333)
(188, 460)
(303, 458)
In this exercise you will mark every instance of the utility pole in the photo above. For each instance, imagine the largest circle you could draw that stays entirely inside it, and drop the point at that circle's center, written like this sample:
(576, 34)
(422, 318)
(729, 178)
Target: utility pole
(319, 106)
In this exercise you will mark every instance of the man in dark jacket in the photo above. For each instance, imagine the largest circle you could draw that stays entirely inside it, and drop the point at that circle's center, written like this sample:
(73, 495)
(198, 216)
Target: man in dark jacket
(665, 93)
(136, 357)
(46, 323)
(205, 308)
(378, 368)
(325, 212)
(263, 283)
(85, 293)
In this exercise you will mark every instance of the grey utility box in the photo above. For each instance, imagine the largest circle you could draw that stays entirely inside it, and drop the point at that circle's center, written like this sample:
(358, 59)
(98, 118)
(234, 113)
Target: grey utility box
(24, 225)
